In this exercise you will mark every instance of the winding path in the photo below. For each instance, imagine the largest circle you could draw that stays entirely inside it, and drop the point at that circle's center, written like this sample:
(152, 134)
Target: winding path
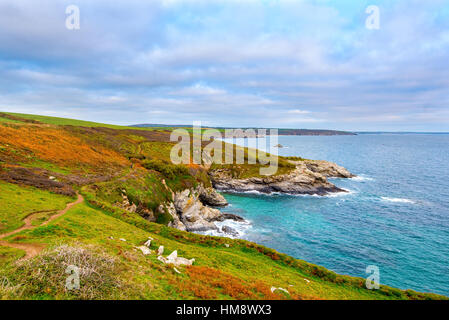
(32, 249)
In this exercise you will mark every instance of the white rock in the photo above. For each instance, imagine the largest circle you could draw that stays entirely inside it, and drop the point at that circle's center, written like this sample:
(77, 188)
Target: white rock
(177, 271)
(160, 251)
(226, 245)
(273, 289)
(175, 260)
(144, 250)
(148, 243)
(121, 239)
(173, 255)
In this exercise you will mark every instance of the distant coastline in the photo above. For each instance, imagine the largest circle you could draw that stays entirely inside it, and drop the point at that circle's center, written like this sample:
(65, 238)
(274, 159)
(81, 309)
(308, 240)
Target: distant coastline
(398, 132)
(281, 131)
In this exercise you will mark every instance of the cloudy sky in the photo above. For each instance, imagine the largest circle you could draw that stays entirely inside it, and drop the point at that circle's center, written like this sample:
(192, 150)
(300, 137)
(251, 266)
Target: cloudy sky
(261, 63)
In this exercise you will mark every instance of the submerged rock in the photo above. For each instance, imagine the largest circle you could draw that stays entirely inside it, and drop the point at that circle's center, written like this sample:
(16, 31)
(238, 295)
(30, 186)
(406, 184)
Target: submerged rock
(230, 216)
(230, 231)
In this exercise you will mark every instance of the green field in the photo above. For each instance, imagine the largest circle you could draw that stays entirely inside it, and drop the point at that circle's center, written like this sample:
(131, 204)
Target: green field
(19, 202)
(242, 262)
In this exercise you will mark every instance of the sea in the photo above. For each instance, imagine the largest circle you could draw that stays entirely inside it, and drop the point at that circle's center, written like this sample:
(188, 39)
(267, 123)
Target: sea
(395, 214)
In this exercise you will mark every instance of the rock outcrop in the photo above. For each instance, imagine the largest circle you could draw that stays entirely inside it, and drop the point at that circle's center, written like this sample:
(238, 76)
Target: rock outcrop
(210, 196)
(309, 177)
(326, 168)
(193, 213)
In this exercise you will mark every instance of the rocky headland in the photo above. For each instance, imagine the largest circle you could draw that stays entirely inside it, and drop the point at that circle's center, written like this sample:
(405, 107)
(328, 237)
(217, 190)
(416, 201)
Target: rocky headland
(309, 177)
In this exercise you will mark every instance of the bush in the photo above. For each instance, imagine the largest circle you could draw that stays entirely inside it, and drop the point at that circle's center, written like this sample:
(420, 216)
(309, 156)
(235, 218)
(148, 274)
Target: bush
(45, 275)
(167, 169)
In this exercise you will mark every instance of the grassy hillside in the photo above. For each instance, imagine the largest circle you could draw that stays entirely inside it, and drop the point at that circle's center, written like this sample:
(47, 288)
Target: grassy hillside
(44, 164)
(56, 120)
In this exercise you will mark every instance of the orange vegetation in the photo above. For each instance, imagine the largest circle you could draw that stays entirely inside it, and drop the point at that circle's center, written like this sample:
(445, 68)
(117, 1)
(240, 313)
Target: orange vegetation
(208, 283)
(55, 145)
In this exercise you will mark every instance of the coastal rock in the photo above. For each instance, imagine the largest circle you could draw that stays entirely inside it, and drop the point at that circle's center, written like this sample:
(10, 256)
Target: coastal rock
(229, 231)
(328, 169)
(192, 213)
(309, 177)
(131, 207)
(230, 216)
(171, 209)
(209, 196)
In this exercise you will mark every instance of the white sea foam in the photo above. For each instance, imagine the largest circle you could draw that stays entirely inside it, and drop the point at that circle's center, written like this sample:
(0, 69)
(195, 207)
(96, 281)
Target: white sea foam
(330, 195)
(399, 200)
(361, 177)
(241, 227)
(347, 192)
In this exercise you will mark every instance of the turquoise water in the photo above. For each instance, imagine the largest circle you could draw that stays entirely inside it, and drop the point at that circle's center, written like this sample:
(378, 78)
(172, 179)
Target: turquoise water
(396, 215)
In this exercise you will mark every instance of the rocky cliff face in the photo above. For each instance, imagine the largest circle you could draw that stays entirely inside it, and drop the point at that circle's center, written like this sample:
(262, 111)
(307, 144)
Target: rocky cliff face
(309, 177)
(192, 213)
(190, 210)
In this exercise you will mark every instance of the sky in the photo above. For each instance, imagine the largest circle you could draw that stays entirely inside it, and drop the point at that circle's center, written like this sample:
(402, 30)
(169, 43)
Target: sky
(249, 63)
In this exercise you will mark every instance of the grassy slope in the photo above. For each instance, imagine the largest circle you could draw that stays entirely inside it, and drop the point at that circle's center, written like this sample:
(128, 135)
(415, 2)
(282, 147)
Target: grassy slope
(62, 121)
(145, 277)
(73, 122)
(241, 271)
(19, 202)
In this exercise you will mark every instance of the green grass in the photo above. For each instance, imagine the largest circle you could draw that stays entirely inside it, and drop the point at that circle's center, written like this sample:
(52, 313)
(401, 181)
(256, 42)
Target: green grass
(19, 202)
(9, 255)
(6, 120)
(145, 277)
(37, 163)
(69, 122)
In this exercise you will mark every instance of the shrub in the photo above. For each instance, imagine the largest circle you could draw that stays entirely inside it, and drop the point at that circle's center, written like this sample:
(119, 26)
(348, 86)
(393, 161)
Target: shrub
(45, 275)
(167, 169)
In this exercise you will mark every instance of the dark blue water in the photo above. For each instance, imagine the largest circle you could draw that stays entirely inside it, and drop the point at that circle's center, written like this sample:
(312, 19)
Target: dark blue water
(396, 215)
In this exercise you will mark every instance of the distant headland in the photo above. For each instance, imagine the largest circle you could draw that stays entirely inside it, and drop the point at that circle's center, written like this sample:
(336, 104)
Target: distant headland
(281, 131)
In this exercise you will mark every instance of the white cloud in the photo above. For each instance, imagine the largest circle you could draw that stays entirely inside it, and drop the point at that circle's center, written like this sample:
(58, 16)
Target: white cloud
(227, 62)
